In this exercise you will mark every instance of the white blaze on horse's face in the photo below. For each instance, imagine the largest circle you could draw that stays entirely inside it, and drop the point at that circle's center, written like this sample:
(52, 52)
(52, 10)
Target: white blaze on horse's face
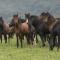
(27, 21)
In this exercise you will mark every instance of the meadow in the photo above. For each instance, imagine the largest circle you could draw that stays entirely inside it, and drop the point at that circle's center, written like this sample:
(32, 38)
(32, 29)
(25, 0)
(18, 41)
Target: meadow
(10, 52)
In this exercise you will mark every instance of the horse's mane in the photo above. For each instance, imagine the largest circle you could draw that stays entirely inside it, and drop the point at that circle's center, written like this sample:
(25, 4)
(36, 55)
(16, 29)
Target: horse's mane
(51, 17)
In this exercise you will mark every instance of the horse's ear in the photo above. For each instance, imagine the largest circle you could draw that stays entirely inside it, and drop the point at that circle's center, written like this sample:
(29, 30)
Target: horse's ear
(43, 13)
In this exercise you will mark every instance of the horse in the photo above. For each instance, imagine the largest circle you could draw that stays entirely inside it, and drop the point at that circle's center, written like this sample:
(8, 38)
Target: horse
(54, 29)
(4, 29)
(7, 30)
(40, 26)
(21, 29)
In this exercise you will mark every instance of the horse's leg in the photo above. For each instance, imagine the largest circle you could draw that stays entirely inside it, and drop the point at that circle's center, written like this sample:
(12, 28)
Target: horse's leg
(17, 40)
(5, 37)
(42, 39)
(21, 43)
(21, 37)
(51, 42)
(28, 41)
(54, 41)
(48, 37)
(1, 38)
(33, 38)
(58, 42)
(36, 39)
(9, 38)
(45, 36)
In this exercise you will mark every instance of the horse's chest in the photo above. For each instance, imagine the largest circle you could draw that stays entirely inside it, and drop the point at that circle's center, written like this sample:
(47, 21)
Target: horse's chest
(24, 27)
(16, 30)
(15, 21)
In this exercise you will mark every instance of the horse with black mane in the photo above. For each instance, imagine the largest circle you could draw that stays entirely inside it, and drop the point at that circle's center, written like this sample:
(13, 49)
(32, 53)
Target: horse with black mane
(40, 26)
(54, 29)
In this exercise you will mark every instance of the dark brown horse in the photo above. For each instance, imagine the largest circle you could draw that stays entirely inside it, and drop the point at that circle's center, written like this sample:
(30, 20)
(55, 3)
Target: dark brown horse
(40, 26)
(22, 29)
(54, 29)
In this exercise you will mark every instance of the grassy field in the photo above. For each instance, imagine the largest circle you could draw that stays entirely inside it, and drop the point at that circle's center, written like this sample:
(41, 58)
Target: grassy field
(10, 52)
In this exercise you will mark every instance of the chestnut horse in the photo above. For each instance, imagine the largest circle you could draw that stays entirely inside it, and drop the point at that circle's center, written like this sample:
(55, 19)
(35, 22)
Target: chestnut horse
(22, 29)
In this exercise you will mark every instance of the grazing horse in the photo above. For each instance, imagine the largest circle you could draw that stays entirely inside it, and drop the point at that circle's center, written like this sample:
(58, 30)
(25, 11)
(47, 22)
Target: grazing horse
(21, 29)
(54, 29)
(40, 26)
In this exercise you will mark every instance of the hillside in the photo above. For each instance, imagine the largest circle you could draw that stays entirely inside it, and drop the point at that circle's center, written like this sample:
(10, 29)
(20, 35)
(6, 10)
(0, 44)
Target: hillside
(10, 7)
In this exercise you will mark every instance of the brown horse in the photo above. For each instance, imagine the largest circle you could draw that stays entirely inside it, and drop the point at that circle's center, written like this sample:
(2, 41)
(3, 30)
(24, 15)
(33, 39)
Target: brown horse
(7, 30)
(40, 27)
(54, 29)
(22, 29)
(4, 29)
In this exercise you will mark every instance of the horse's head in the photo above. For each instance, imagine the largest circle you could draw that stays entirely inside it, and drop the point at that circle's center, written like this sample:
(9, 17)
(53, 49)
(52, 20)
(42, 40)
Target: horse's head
(47, 17)
(15, 19)
(50, 18)
(44, 16)
(27, 15)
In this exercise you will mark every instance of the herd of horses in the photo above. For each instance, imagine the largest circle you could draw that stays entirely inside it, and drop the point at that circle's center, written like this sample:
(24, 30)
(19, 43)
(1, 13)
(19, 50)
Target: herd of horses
(45, 25)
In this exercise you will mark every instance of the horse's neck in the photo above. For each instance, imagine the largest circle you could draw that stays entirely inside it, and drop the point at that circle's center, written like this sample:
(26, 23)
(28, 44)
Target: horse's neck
(15, 20)
(51, 20)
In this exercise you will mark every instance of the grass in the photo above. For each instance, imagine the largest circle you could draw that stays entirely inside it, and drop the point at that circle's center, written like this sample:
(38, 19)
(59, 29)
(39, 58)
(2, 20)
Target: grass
(10, 52)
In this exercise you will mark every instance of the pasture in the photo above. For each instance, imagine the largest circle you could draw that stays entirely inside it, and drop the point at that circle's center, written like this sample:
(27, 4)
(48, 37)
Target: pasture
(10, 52)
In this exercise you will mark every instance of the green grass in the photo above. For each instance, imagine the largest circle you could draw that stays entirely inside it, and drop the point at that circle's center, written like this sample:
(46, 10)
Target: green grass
(10, 52)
